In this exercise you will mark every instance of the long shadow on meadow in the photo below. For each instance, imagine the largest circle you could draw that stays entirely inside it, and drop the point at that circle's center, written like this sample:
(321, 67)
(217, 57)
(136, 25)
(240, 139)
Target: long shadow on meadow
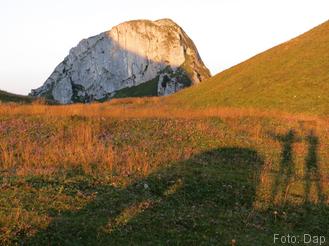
(203, 200)
(286, 166)
(312, 173)
(310, 215)
(286, 174)
(206, 200)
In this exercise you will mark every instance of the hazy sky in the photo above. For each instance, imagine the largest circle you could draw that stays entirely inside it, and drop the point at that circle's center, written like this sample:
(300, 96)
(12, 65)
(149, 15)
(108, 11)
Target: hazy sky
(36, 35)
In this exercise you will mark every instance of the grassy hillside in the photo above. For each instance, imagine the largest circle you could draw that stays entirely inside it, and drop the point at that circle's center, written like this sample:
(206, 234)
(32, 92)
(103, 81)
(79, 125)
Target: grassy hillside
(9, 97)
(133, 172)
(293, 76)
(146, 89)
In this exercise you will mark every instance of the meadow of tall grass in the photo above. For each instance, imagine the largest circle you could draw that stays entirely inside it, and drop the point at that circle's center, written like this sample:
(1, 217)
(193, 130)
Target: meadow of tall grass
(56, 158)
(42, 137)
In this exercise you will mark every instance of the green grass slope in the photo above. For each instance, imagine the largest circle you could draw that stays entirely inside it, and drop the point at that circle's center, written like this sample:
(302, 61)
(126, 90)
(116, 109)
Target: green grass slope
(293, 76)
(149, 88)
(7, 97)
(10, 97)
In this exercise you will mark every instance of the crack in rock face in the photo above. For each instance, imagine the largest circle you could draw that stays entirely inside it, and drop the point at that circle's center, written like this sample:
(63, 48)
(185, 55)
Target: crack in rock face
(128, 55)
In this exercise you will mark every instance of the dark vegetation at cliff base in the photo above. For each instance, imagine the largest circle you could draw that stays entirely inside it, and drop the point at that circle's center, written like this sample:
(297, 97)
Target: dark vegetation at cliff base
(10, 97)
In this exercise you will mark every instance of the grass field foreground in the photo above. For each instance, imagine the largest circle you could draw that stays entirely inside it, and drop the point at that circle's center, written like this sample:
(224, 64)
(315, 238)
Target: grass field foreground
(135, 172)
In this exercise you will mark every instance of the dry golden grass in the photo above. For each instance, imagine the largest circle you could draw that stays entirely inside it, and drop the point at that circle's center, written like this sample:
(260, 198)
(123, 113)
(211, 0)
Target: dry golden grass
(144, 140)
(149, 108)
(42, 139)
(45, 137)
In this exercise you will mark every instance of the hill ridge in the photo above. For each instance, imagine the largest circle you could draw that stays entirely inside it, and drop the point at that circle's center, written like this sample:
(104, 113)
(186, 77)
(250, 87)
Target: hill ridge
(291, 76)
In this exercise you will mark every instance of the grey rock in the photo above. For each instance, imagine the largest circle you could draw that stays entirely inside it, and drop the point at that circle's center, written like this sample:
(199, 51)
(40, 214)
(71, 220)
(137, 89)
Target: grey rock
(130, 54)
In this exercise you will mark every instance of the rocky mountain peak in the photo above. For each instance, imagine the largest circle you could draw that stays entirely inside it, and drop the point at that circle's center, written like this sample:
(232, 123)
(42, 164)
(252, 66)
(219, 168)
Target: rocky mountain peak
(133, 53)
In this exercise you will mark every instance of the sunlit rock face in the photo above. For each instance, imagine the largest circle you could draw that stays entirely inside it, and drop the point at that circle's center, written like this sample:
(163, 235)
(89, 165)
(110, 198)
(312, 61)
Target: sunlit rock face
(128, 55)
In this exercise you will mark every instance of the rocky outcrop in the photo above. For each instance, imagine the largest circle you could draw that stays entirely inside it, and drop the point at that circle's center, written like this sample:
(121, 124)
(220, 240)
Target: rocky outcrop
(128, 55)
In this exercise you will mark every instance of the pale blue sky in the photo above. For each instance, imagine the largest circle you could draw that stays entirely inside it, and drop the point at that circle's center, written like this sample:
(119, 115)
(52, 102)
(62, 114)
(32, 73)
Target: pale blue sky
(36, 35)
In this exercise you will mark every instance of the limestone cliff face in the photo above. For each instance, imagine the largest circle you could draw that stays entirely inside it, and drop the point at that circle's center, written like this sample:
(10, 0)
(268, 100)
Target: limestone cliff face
(128, 55)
